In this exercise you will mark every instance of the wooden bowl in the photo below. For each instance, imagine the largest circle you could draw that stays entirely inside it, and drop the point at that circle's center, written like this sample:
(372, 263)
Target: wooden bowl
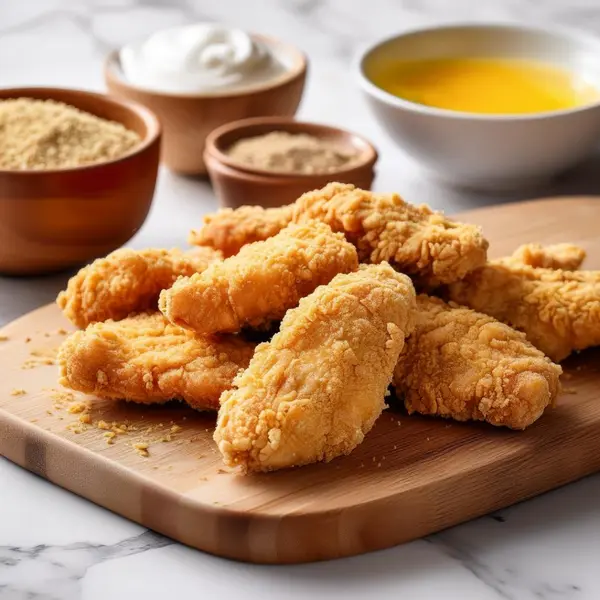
(188, 118)
(54, 219)
(236, 184)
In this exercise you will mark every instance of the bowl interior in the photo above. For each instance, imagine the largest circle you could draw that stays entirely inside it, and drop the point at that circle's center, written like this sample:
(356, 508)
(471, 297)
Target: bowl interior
(577, 53)
(133, 117)
(222, 139)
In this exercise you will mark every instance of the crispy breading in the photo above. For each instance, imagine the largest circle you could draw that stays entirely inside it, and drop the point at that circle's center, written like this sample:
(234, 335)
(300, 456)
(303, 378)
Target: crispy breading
(316, 389)
(257, 286)
(465, 365)
(146, 359)
(556, 256)
(127, 281)
(417, 241)
(229, 230)
(425, 244)
(559, 311)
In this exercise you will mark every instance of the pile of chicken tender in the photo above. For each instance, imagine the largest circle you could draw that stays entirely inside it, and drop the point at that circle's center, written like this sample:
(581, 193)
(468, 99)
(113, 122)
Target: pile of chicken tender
(363, 290)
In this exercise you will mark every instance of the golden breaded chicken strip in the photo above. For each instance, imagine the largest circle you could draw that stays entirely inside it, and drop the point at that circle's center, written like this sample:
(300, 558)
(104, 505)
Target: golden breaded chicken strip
(559, 311)
(464, 365)
(316, 389)
(414, 239)
(229, 230)
(256, 286)
(425, 244)
(127, 281)
(146, 359)
(557, 256)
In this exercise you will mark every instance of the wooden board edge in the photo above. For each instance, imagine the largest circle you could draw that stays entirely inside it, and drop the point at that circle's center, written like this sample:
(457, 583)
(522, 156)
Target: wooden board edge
(265, 539)
(548, 201)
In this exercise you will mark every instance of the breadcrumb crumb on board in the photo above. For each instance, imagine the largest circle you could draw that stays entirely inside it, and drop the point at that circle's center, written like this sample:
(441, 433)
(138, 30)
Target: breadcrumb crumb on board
(142, 449)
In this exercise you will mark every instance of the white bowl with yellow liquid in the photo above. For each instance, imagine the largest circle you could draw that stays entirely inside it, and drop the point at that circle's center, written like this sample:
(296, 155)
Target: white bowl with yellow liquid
(530, 111)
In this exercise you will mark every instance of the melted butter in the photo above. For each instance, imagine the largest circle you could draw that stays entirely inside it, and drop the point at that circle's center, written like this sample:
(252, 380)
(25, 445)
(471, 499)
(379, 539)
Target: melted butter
(485, 85)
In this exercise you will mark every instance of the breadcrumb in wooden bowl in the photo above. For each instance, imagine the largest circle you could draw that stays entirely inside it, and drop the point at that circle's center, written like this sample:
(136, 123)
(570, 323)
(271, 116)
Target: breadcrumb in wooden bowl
(78, 187)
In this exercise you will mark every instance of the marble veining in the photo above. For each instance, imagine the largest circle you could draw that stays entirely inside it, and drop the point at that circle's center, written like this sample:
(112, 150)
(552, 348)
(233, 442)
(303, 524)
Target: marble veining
(55, 546)
(58, 570)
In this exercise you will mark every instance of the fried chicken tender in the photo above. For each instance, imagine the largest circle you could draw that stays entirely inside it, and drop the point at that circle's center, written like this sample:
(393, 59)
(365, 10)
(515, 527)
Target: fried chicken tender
(145, 359)
(257, 286)
(316, 389)
(127, 281)
(558, 256)
(559, 311)
(465, 365)
(229, 230)
(423, 243)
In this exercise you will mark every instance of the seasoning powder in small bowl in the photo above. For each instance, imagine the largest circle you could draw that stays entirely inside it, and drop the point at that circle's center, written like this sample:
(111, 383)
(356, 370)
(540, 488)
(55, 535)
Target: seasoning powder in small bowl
(271, 161)
(48, 135)
(297, 153)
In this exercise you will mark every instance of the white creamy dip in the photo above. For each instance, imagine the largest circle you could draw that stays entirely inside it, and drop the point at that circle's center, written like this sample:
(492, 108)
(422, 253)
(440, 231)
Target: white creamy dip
(204, 57)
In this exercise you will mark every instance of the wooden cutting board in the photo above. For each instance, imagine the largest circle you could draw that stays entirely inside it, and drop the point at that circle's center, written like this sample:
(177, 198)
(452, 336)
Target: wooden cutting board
(412, 476)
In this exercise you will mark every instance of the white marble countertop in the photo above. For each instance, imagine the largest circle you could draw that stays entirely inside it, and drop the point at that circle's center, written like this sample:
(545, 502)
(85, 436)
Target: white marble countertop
(54, 545)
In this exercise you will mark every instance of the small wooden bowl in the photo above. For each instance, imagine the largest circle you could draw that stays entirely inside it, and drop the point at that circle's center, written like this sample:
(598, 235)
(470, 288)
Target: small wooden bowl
(236, 184)
(54, 219)
(188, 118)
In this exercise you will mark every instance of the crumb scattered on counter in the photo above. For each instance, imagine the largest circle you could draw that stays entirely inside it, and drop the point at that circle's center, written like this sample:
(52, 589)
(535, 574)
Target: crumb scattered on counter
(569, 391)
(18, 392)
(27, 340)
(110, 437)
(62, 331)
(3, 338)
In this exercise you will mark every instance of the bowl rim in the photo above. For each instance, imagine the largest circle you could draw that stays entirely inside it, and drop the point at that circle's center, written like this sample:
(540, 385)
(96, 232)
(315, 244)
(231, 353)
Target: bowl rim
(368, 153)
(153, 134)
(571, 34)
(296, 71)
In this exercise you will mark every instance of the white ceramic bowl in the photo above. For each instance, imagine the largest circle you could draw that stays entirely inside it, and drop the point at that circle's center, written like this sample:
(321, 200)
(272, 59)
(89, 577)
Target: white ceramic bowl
(489, 151)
